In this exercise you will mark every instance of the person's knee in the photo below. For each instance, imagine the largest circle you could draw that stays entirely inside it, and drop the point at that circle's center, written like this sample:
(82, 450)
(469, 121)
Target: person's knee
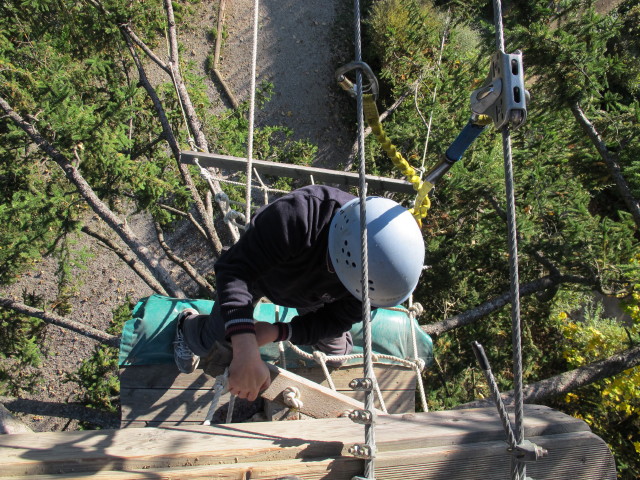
(336, 347)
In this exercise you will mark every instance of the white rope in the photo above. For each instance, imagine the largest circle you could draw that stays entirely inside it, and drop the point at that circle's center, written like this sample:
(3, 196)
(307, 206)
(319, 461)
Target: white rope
(220, 386)
(321, 358)
(252, 107)
(292, 398)
(433, 98)
(232, 403)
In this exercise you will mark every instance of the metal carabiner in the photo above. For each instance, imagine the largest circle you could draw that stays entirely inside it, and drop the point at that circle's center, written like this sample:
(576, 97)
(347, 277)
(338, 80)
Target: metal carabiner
(350, 87)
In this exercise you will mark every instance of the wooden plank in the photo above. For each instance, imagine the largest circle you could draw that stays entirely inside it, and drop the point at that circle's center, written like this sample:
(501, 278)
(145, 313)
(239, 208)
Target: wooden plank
(318, 401)
(179, 405)
(577, 455)
(389, 377)
(173, 405)
(145, 448)
(336, 177)
(152, 394)
(162, 377)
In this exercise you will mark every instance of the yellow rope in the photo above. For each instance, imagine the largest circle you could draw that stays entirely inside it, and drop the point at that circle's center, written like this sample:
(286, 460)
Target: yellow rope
(422, 202)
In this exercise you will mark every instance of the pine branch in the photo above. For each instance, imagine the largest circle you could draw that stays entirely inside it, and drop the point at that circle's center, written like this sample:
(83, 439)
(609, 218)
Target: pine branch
(184, 264)
(470, 316)
(135, 39)
(611, 161)
(53, 319)
(118, 225)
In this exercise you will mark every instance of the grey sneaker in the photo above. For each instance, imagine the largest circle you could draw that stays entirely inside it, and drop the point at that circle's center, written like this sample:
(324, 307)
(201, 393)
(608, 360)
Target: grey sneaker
(186, 360)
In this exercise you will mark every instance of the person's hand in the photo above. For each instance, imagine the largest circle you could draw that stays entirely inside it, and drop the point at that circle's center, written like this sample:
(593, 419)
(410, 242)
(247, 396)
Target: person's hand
(248, 374)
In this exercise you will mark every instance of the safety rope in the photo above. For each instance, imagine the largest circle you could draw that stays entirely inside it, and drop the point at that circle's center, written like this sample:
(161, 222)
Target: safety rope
(434, 95)
(422, 202)
(252, 109)
(518, 468)
(220, 386)
(369, 427)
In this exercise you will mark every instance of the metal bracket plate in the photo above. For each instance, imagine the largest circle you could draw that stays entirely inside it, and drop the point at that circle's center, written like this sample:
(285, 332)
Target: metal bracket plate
(503, 96)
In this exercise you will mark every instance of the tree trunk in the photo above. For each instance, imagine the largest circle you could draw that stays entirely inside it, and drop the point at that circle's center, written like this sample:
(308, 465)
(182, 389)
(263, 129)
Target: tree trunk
(10, 424)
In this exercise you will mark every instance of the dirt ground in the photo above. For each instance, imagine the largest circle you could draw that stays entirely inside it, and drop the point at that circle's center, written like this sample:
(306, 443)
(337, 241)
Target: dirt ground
(299, 45)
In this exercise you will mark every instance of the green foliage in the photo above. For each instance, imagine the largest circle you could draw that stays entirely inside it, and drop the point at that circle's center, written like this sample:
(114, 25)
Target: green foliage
(20, 349)
(98, 375)
(614, 400)
(567, 208)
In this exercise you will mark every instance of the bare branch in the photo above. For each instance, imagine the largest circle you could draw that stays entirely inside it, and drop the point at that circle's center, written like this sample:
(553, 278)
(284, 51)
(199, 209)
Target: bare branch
(52, 318)
(611, 161)
(212, 236)
(136, 266)
(191, 218)
(186, 266)
(496, 303)
(118, 225)
(569, 381)
(135, 39)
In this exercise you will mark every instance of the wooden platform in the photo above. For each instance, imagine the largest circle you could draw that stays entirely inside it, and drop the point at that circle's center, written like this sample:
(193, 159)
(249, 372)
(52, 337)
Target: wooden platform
(452, 445)
(159, 395)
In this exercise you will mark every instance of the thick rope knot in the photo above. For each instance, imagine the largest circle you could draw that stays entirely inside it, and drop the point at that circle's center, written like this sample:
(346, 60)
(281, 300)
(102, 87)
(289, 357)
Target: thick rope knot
(292, 398)
(320, 357)
(420, 363)
(416, 310)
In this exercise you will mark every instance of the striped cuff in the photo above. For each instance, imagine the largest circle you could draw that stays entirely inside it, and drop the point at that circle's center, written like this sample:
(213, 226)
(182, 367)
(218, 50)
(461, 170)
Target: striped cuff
(284, 331)
(239, 325)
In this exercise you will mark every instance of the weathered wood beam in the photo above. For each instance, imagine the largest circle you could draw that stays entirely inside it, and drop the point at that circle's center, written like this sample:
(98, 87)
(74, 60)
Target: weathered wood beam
(336, 177)
(435, 445)
(318, 401)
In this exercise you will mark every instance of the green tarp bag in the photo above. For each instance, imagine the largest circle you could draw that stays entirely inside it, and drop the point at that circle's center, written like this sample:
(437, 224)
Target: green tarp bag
(147, 338)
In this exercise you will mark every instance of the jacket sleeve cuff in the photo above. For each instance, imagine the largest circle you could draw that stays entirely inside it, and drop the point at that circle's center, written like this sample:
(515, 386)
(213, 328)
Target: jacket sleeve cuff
(238, 326)
(284, 331)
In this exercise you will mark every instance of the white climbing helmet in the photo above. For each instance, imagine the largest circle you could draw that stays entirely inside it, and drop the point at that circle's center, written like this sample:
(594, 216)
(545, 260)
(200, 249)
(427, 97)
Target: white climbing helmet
(395, 250)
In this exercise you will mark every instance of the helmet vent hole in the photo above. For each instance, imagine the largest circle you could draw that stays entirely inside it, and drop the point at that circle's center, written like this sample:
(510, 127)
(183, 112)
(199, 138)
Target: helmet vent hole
(348, 254)
(346, 243)
(353, 264)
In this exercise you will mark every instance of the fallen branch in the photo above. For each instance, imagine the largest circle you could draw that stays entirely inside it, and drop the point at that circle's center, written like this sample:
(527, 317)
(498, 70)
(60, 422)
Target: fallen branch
(569, 381)
(496, 303)
(184, 264)
(136, 266)
(53, 319)
(73, 411)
